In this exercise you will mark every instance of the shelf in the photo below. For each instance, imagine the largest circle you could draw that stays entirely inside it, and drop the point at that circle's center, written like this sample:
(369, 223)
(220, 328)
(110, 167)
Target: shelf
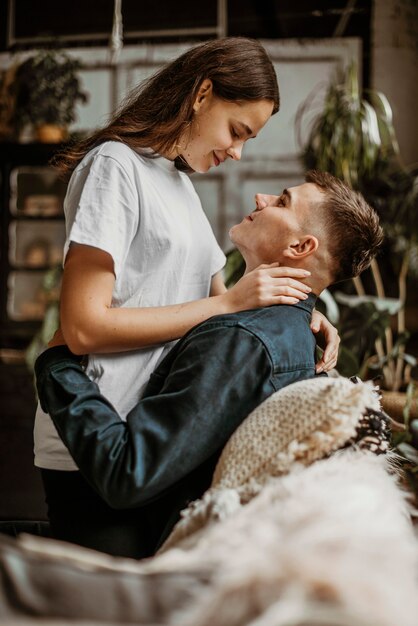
(32, 239)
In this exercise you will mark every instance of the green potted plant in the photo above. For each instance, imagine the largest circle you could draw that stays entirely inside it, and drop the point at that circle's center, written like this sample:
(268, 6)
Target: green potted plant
(46, 89)
(353, 138)
(51, 285)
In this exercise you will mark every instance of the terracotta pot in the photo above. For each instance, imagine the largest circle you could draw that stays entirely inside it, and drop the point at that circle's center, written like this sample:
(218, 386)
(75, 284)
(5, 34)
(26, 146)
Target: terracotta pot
(50, 133)
(394, 402)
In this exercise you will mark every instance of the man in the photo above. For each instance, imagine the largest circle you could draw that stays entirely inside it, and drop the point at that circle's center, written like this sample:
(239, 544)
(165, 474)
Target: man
(164, 455)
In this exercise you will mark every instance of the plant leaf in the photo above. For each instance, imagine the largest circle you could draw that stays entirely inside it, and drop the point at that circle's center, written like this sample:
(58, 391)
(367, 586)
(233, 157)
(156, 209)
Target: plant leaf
(410, 359)
(409, 452)
(348, 363)
(389, 305)
(331, 307)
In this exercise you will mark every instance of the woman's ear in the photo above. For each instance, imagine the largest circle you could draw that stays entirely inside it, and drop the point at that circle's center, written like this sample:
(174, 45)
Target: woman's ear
(203, 94)
(301, 248)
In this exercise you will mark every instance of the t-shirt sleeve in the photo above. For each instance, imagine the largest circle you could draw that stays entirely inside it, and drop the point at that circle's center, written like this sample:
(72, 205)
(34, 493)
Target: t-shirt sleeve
(107, 210)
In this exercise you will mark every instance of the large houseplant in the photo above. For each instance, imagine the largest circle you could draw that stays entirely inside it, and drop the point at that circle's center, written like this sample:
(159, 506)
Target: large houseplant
(46, 89)
(353, 138)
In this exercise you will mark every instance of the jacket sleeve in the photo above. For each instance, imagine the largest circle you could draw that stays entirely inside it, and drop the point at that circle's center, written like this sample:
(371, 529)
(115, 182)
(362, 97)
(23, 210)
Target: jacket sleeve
(217, 377)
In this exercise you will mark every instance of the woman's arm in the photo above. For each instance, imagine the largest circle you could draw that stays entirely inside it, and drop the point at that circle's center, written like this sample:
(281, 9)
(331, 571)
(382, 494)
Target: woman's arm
(217, 286)
(90, 324)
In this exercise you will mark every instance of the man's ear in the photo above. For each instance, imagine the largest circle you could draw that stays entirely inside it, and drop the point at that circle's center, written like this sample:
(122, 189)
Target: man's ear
(301, 248)
(203, 94)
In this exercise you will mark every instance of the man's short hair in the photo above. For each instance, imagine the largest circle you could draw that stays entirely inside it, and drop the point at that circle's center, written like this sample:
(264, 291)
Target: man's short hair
(352, 226)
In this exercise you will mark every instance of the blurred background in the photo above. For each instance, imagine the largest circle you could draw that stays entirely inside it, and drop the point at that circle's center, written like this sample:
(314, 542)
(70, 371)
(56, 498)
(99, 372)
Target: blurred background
(347, 72)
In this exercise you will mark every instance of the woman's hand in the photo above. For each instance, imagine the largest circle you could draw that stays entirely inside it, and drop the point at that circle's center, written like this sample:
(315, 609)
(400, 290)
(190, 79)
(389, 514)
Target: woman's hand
(320, 324)
(267, 285)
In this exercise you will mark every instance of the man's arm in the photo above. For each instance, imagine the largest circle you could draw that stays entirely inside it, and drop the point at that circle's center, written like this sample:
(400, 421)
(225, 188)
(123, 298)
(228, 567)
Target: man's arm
(217, 377)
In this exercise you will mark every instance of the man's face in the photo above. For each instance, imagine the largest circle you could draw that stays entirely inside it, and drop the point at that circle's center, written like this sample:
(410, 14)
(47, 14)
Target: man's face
(276, 223)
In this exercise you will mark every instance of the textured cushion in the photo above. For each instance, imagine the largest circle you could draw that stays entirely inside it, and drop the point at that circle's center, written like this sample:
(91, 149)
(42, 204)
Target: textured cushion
(302, 422)
(297, 425)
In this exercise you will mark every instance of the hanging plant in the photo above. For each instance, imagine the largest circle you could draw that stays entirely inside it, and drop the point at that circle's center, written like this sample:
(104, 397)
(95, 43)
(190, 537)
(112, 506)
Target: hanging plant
(46, 89)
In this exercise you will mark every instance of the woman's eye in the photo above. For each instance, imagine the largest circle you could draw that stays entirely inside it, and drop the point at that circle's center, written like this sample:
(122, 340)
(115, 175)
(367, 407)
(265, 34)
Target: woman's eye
(234, 133)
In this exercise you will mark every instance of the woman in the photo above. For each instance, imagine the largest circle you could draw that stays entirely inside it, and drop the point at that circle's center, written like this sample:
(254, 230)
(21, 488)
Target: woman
(141, 263)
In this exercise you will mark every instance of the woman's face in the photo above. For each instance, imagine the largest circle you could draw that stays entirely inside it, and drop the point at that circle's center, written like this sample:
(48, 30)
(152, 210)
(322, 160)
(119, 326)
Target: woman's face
(220, 128)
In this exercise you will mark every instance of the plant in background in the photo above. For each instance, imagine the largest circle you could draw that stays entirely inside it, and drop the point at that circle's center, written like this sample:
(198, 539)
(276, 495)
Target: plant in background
(350, 137)
(51, 285)
(234, 268)
(354, 139)
(46, 89)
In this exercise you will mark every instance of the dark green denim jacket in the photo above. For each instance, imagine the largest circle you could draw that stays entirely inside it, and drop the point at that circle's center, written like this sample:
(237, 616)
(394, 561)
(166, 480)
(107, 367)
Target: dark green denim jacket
(198, 395)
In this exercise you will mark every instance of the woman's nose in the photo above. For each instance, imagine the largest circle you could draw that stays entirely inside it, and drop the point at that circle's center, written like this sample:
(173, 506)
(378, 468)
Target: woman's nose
(235, 152)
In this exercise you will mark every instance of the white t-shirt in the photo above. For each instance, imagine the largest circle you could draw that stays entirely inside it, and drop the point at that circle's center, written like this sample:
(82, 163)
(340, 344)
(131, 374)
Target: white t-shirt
(148, 217)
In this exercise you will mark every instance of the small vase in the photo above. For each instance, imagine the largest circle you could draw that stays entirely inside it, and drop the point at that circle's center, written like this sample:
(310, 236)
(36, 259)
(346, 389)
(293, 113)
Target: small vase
(50, 133)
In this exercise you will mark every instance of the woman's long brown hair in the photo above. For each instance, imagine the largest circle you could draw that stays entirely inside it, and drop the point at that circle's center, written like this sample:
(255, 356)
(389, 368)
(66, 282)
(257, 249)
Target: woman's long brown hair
(158, 112)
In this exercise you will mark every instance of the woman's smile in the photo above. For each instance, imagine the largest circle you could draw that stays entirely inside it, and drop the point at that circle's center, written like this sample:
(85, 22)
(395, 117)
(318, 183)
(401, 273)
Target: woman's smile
(223, 124)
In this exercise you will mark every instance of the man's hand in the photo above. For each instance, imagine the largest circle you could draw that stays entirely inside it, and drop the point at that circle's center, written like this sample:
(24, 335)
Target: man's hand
(320, 324)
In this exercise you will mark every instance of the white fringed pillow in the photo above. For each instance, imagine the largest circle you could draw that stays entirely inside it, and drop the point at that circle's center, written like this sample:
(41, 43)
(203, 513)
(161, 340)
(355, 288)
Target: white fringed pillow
(299, 424)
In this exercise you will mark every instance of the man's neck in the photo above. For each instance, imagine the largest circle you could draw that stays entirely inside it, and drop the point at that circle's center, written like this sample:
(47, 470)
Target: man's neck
(317, 281)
